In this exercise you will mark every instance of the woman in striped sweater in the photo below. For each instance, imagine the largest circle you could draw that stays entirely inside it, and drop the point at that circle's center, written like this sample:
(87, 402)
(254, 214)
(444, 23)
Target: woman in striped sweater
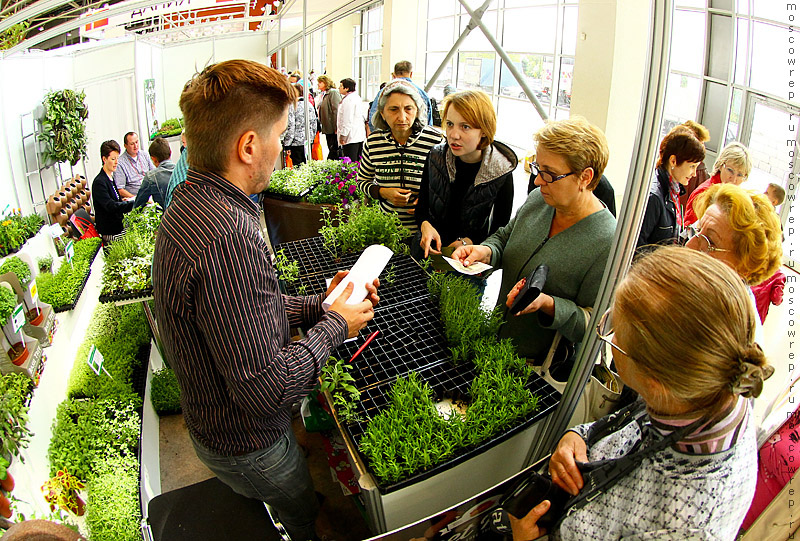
(391, 165)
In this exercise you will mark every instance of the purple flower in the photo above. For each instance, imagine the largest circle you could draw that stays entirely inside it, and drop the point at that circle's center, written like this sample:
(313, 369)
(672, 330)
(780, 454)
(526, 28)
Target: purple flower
(341, 185)
(351, 189)
(345, 201)
(345, 159)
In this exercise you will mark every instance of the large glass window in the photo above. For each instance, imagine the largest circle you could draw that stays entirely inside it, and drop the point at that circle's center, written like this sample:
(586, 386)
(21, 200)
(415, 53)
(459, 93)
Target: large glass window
(367, 47)
(729, 71)
(539, 36)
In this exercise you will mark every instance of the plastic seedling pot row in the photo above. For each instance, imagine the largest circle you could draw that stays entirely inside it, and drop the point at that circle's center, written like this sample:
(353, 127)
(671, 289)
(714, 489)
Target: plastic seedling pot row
(122, 295)
(410, 339)
(313, 258)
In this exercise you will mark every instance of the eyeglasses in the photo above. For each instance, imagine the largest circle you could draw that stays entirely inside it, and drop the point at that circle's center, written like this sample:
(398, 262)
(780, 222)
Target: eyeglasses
(704, 244)
(605, 330)
(547, 176)
(734, 173)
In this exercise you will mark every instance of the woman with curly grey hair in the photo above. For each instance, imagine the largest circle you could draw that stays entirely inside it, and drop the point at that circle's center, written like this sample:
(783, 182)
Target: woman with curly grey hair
(393, 159)
(685, 342)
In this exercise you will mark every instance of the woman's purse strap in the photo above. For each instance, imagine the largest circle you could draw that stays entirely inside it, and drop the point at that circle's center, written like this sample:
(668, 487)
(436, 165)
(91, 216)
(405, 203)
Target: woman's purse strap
(600, 476)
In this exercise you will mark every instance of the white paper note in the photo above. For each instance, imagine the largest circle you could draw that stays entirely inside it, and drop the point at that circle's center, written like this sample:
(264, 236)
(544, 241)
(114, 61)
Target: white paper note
(367, 268)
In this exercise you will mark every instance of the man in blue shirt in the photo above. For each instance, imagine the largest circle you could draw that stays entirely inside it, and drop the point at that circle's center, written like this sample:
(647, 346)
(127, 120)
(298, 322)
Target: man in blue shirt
(402, 70)
(155, 182)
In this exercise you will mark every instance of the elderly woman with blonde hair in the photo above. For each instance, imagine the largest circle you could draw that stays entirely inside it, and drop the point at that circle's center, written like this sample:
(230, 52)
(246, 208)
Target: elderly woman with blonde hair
(733, 166)
(562, 225)
(741, 229)
(685, 342)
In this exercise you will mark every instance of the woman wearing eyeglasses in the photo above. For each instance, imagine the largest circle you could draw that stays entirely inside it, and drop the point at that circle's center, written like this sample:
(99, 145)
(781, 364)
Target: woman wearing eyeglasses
(679, 154)
(562, 225)
(687, 346)
(467, 188)
(733, 166)
(741, 229)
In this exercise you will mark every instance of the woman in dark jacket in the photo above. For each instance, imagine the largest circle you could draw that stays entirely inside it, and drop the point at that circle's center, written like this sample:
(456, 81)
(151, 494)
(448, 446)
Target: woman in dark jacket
(108, 204)
(680, 153)
(467, 189)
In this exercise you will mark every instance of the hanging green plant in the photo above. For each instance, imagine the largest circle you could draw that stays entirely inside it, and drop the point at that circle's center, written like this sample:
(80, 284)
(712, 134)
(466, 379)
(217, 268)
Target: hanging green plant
(64, 126)
(13, 35)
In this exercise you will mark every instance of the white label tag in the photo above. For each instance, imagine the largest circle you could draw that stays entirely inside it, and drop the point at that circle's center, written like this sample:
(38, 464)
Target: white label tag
(18, 317)
(95, 360)
(55, 231)
(69, 251)
(34, 291)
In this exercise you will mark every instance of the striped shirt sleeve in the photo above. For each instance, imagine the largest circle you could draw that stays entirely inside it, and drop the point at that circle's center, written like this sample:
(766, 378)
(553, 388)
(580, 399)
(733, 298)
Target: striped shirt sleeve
(261, 373)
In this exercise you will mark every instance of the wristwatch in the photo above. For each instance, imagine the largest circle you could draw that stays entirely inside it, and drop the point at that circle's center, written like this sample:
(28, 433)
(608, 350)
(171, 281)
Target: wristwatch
(463, 242)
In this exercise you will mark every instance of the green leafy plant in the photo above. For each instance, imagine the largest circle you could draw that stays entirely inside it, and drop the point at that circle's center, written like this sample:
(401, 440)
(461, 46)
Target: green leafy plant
(12, 236)
(113, 512)
(64, 126)
(14, 35)
(129, 261)
(288, 271)
(390, 275)
(168, 128)
(63, 288)
(118, 333)
(15, 389)
(8, 301)
(61, 491)
(336, 380)
(45, 263)
(165, 393)
(87, 433)
(363, 226)
(19, 268)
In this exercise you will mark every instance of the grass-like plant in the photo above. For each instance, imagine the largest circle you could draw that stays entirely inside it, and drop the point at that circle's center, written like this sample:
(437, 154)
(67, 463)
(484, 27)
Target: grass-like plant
(14, 432)
(288, 271)
(464, 319)
(165, 393)
(365, 225)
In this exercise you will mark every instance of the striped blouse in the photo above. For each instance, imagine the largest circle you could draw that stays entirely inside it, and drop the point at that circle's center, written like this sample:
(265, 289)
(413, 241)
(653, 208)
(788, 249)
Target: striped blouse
(225, 324)
(385, 164)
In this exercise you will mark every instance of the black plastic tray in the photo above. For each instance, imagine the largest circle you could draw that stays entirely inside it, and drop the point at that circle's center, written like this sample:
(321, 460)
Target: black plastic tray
(292, 198)
(71, 306)
(410, 339)
(118, 296)
(445, 379)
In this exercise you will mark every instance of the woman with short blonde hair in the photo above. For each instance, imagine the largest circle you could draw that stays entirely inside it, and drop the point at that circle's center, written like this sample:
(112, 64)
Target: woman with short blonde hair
(327, 111)
(733, 166)
(685, 342)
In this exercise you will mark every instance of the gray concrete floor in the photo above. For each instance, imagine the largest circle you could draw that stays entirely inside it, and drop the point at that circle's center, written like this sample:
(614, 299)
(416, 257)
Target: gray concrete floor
(340, 518)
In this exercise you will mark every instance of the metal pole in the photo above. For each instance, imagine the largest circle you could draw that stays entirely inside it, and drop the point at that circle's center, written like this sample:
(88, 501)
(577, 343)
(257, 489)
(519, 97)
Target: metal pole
(629, 220)
(303, 69)
(470, 27)
(511, 67)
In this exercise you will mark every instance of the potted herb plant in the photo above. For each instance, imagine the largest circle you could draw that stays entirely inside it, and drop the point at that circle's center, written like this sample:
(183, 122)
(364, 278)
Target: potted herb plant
(21, 270)
(17, 351)
(45, 264)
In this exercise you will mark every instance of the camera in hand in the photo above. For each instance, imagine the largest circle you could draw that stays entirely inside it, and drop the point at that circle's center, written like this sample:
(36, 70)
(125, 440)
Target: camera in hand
(532, 491)
(532, 288)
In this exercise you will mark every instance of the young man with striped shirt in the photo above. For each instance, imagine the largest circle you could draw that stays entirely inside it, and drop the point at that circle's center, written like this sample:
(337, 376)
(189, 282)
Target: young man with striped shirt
(391, 166)
(224, 322)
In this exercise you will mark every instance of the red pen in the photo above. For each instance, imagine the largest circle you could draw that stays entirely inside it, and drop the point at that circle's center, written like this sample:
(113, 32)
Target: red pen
(363, 346)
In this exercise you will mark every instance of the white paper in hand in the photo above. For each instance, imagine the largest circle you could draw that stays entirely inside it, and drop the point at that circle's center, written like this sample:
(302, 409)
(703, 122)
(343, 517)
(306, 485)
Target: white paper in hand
(367, 268)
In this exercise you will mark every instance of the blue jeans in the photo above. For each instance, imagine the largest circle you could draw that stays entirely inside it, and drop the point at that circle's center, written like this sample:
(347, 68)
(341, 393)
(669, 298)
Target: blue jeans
(277, 475)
